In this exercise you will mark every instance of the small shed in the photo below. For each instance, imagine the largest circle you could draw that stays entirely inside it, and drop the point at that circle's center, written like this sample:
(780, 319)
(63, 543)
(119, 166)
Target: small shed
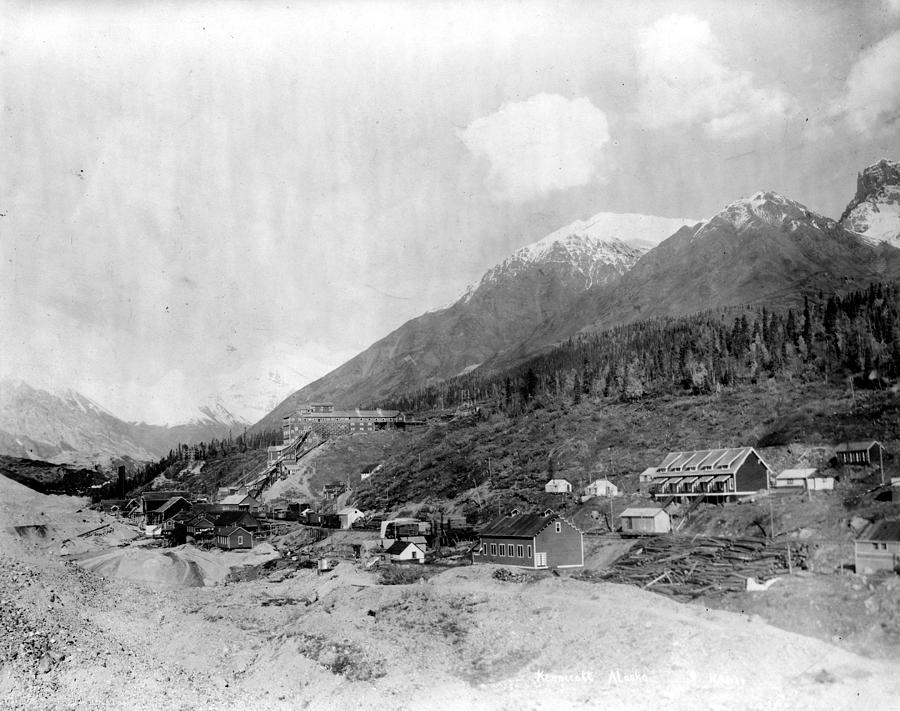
(349, 515)
(558, 486)
(860, 453)
(601, 487)
(793, 478)
(233, 538)
(878, 547)
(405, 552)
(645, 520)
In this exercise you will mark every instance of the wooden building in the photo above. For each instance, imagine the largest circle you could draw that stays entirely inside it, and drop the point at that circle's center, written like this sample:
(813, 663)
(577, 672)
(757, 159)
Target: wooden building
(558, 486)
(227, 520)
(405, 552)
(152, 500)
(175, 505)
(861, 454)
(239, 502)
(809, 479)
(601, 487)
(531, 541)
(710, 473)
(648, 519)
(878, 547)
(349, 516)
(325, 421)
(234, 537)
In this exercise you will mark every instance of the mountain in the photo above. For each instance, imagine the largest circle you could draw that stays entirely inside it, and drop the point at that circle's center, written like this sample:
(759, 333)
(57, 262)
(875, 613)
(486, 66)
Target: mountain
(67, 427)
(536, 283)
(875, 209)
(64, 427)
(762, 249)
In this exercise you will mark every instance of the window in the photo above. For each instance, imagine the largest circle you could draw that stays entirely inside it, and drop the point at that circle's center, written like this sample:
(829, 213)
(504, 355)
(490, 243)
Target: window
(240, 540)
(493, 549)
(520, 551)
(528, 548)
(502, 549)
(558, 527)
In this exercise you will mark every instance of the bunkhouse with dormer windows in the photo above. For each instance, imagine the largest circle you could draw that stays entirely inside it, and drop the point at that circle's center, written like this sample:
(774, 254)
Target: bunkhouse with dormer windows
(531, 541)
(716, 474)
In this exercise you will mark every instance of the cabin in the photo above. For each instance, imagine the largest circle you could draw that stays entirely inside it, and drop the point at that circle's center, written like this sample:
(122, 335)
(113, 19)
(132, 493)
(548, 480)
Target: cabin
(200, 525)
(601, 487)
(405, 552)
(878, 547)
(859, 453)
(558, 486)
(239, 502)
(348, 516)
(809, 479)
(648, 519)
(234, 538)
(716, 474)
(531, 541)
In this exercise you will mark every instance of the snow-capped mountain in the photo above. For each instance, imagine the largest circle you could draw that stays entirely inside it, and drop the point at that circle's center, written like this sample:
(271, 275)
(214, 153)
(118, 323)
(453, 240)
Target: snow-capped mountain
(535, 283)
(874, 211)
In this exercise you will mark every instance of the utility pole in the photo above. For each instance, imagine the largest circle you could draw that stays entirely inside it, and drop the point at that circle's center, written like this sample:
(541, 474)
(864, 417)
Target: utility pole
(881, 461)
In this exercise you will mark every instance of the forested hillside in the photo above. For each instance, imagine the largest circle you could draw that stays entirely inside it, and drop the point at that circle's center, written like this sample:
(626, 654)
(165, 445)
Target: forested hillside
(855, 336)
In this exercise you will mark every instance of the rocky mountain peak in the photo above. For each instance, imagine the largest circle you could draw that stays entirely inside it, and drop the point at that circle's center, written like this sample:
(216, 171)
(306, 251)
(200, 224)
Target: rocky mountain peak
(874, 211)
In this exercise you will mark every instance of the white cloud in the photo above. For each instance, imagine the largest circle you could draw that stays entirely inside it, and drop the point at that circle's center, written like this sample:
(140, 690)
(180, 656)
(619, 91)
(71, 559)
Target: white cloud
(537, 146)
(872, 94)
(686, 79)
(892, 6)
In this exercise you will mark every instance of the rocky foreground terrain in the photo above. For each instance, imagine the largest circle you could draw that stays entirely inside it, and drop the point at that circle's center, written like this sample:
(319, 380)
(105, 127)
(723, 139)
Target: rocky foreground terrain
(73, 639)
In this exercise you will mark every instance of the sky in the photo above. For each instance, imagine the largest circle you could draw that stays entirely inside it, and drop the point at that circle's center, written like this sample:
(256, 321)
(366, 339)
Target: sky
(192, 192)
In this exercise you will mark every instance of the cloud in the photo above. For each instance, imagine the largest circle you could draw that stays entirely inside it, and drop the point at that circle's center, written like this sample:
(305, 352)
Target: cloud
(686, 79)
(872, 93)
(537, 146)
(892, 6)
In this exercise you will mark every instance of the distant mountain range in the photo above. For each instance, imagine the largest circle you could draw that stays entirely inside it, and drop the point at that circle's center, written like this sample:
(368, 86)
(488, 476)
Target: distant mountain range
(606, 271)
(68, 428)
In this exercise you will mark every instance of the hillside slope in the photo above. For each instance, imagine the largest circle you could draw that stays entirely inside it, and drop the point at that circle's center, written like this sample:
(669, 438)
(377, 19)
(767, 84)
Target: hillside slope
(536, 283)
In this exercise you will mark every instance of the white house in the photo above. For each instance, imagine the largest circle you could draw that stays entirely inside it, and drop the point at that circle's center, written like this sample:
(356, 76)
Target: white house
(601, 487)
(405, 552)
(558, 486)
(804, 478)
(349, 515)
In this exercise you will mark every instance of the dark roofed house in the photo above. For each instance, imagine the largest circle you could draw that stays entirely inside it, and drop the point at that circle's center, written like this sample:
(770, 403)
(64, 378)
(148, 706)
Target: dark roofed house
(152, 500)
(405, 552)
(878, 547)
(200, 525)
(531, 541)
(169, 509)
(234, 537)
(113, 505)
(860, 453)
(711, 473)
(226, 520)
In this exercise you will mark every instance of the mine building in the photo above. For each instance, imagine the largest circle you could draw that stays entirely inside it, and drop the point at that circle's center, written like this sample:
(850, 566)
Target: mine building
(860, 453)
(324, 420)
(531, 541)
(712, 473)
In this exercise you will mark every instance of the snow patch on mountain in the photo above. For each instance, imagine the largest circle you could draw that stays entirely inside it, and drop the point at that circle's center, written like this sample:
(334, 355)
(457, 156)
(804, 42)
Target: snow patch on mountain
(765, 207)
(874, 212)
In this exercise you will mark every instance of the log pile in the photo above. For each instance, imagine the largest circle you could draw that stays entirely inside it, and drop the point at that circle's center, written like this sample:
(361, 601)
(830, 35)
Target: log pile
(689, 567)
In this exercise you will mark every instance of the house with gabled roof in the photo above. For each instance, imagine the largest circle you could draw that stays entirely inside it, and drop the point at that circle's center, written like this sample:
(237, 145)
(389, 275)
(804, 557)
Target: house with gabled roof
(531, 541)
(239, 502)
(558, 486)
(226, 520)
(712, 473)
(405, 552)
(878, 547)
(861, 454)
(645, 519)
(171, 507)
(234, 537)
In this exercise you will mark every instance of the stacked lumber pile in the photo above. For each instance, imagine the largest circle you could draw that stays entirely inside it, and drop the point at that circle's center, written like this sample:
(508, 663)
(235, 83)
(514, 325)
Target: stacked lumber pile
(689, 567)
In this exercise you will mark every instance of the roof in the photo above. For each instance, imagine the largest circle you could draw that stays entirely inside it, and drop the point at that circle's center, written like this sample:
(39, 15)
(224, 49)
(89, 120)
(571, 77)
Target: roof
(641, 512)
(797, 473)
(235, 499)
(348, 510)
(106, 503)
(716, 461)
(227, 518)
(235, 529)
(337, 414)
(882, 531)
(170, 503)
(602, 482)
(857, 446)
(161, 495)
(521, 526)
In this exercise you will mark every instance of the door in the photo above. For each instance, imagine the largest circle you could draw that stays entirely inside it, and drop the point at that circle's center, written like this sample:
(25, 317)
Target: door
(541, 560)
